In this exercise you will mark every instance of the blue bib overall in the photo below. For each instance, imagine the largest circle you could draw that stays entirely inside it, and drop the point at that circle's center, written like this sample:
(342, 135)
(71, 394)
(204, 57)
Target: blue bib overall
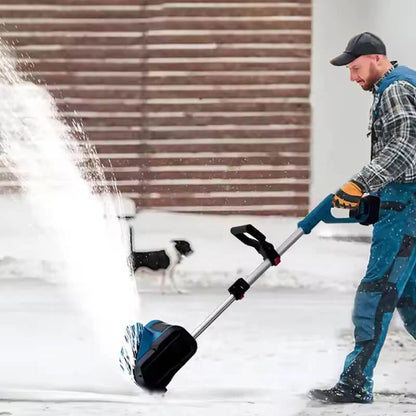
(390, 279)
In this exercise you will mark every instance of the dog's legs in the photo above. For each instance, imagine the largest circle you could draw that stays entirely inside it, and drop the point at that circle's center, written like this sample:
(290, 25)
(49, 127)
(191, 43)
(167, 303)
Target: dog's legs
(162, 283)
(172, 280)
(135, 278)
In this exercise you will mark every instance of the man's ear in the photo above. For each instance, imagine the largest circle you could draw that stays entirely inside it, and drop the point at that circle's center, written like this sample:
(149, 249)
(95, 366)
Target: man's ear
(379, 59)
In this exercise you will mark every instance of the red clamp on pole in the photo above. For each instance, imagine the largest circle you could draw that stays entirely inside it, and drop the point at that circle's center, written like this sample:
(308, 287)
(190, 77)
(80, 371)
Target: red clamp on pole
(239, 288)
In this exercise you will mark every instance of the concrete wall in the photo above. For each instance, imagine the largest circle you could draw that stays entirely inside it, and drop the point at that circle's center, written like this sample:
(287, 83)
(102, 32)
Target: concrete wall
(340, 108)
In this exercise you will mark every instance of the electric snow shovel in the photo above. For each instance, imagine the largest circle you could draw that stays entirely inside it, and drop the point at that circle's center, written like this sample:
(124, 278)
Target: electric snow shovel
(162, 349)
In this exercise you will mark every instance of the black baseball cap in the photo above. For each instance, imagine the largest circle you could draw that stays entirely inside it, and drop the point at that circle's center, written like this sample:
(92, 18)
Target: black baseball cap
(363, 44)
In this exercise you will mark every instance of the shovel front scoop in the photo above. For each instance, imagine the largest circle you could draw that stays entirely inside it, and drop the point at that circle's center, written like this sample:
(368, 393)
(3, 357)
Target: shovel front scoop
(153, 353)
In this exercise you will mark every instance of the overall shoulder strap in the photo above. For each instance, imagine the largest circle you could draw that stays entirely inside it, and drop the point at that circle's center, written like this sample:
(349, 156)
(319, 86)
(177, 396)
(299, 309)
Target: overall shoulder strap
(401, 73)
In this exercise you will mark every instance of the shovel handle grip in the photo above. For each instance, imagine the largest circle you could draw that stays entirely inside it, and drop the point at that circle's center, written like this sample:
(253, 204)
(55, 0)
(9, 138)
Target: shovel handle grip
(366, 213)
(263, 247)
(241, 232)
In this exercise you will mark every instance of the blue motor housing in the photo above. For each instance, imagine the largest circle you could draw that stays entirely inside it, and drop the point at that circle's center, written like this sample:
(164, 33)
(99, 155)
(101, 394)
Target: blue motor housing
(164, 350)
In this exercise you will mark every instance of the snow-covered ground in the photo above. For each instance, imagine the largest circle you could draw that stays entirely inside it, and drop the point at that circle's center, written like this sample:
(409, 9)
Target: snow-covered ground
(290, 333)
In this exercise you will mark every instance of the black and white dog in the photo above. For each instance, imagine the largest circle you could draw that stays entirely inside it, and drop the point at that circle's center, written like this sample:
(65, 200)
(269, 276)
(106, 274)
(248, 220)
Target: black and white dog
(163, 261)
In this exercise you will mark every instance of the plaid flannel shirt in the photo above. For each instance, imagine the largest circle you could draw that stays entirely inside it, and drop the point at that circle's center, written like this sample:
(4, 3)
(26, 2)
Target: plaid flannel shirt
(393, 153)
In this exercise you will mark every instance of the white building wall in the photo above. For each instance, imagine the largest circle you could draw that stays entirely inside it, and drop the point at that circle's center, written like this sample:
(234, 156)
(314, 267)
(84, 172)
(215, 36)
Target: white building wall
(340, 109)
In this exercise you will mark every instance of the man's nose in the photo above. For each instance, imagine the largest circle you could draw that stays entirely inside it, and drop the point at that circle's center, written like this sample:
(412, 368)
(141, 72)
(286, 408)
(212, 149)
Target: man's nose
(353, 76)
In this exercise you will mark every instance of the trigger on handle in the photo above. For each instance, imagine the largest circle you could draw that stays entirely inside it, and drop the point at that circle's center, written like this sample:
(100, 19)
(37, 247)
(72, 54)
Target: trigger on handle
(368, 211)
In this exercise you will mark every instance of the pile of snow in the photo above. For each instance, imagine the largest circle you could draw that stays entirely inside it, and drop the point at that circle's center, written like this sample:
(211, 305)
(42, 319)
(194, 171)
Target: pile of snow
(313, 262)
(13, 268)
(27, 250)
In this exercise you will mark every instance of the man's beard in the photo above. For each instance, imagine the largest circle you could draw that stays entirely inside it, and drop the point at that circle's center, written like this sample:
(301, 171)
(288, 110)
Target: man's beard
(372, 79)
(367, 87)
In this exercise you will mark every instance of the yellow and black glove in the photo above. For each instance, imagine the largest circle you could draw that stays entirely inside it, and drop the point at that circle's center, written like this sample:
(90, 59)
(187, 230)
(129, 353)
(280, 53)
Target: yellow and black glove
(348, 196)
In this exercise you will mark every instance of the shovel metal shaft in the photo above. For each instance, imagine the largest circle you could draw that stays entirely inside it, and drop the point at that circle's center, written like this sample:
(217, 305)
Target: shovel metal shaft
(251, 278)
(290, 241)
(211, 318)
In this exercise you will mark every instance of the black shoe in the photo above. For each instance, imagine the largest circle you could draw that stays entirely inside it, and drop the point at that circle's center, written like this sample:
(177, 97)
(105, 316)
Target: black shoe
(341, 394)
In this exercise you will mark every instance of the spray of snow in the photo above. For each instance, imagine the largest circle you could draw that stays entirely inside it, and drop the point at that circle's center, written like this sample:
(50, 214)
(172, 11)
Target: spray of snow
(58, 175)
